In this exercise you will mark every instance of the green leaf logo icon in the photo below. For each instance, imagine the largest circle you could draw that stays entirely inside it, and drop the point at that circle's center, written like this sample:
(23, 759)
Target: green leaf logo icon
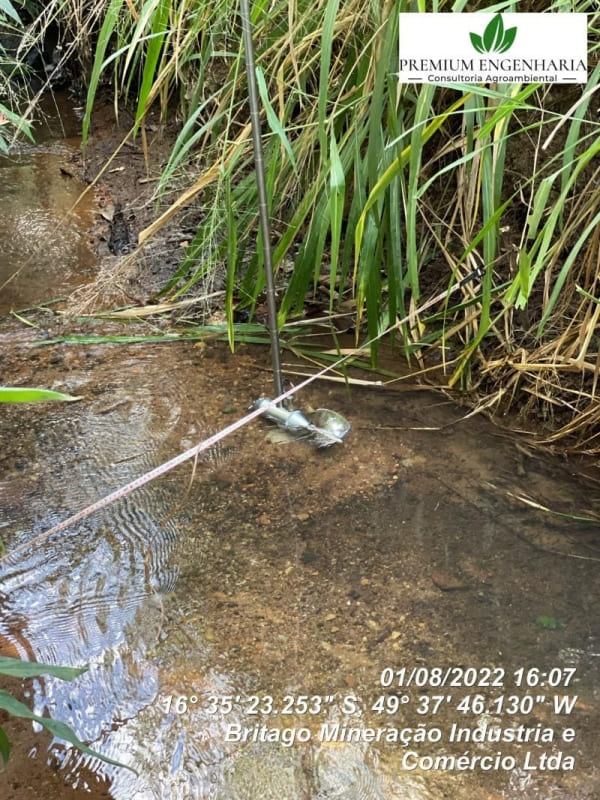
(495, 39)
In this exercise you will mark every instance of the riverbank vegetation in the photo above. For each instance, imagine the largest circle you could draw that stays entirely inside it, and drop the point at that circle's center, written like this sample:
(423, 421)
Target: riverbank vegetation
(381, 194)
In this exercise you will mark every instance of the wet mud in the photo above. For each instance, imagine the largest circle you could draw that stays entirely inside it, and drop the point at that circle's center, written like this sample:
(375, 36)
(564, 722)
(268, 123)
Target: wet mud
(393, 617)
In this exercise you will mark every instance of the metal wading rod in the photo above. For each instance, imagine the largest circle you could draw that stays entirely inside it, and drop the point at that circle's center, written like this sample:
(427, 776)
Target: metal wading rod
(263, 208)
(477, 274)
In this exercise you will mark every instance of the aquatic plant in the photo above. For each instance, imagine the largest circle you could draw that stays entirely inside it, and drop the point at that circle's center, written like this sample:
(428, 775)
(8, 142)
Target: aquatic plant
(16, 668)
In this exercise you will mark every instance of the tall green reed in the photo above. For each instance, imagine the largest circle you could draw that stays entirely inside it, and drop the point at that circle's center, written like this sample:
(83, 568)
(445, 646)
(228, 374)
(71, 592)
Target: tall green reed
(379, 191)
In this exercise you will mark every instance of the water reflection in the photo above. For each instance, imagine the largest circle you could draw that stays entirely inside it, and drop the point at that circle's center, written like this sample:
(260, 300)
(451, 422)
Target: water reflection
(93, 594)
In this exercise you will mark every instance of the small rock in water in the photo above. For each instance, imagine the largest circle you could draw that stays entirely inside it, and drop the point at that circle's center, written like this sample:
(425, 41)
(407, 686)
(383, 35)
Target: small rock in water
(447, 582)
(276, 436)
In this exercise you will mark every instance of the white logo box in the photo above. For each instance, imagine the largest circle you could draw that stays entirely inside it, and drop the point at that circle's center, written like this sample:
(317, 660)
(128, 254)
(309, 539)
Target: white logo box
(547, 48)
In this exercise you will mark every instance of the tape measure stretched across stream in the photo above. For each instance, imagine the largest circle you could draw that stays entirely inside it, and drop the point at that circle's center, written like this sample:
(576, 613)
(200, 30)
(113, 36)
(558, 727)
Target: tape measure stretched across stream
(263, 408)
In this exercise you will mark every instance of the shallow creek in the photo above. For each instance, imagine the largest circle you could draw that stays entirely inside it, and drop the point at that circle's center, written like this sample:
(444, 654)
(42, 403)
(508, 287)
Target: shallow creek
(281, 622)
(45, 247)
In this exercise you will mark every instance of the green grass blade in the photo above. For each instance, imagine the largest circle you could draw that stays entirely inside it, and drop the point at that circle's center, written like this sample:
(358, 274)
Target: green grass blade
(524, 272)
(232, 261)
(392, 172)
(4, 747)
(26, 395)
(542, 246)
(188, 138)
(337, 196)
(573, 137)
(422, 113)
(59, 729)
(106, 32)
(327, 40)
(272, 119)
(570, 262)
(6, 7)
(32, 669)
(539, 206)
(154, 48)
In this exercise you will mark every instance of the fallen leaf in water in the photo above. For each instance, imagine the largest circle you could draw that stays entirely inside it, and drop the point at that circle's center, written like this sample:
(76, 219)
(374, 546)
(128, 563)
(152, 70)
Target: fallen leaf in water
(108, 212)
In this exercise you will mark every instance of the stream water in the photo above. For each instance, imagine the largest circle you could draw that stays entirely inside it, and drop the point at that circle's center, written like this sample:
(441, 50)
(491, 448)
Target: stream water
(276, 621)
(45, 249)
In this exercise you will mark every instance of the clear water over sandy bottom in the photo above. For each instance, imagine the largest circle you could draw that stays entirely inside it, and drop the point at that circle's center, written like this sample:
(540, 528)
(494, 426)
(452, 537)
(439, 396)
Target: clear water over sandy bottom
(291, 623)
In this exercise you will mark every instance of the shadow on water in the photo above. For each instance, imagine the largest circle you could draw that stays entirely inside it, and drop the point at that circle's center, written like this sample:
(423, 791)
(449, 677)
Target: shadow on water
(268, 624)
